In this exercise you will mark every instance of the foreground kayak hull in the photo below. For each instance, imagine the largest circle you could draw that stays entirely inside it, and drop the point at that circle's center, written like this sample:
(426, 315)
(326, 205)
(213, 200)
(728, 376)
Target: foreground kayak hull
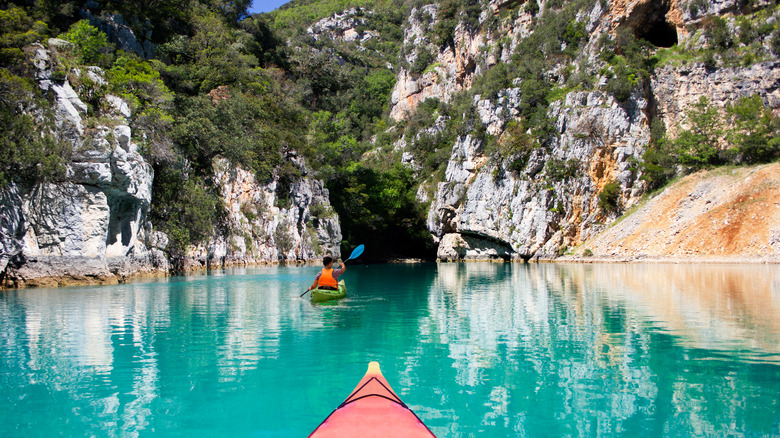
(318, 295)
(373, 410)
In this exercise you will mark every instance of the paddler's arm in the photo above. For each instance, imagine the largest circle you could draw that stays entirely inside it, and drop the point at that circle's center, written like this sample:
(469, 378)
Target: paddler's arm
(316, 281)
(343, 267)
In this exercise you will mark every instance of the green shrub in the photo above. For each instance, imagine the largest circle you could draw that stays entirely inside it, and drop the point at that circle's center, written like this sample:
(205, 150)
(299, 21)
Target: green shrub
(573, 35)
(28, 153)
(709, 60)
(421, 62)
(18, 30)
(246, 129)
(587, 253)
(696, 6)
(717, 32)
(621, 84)
(609, 197)
(756, 131)
(747, 33)
(774, 41)
(138, 82)
(659, 163)
(559, 170)
(93, 47)
(698, 146)
(531, 7)
(186, 208)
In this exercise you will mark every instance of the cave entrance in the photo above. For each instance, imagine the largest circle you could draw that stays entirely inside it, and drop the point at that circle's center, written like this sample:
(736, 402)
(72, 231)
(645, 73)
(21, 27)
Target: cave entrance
(648, 21)
(661, 34)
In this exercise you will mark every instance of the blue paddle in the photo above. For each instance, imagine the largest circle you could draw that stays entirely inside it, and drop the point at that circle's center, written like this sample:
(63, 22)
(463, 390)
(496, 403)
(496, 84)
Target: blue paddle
(355, 254)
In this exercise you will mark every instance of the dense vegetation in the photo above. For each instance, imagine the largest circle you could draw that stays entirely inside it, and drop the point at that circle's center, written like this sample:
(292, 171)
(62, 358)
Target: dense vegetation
(252, 89)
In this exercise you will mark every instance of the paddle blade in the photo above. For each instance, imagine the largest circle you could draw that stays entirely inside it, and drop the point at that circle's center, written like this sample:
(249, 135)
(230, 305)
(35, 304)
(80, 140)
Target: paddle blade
(356, 252)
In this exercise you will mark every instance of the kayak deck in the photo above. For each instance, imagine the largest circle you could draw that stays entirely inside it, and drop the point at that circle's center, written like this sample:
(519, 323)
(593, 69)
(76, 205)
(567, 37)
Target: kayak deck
(372, 410)
(319, 295)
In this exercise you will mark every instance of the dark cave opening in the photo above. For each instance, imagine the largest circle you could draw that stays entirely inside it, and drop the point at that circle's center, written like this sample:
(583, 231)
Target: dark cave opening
(660, 34)
(648, 21)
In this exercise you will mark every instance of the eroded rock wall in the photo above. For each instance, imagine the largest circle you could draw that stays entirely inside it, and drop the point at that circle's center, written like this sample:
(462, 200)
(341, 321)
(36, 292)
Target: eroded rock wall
(260, 231)
(92, 226)
(483, 210)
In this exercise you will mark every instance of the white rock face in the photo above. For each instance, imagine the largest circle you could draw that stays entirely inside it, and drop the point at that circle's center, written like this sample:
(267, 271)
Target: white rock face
(676, 88)
(487, 211)
(484, 209)
(119, 105)
(451, 71)
(261, 231)
(91, 226)
(343, 27)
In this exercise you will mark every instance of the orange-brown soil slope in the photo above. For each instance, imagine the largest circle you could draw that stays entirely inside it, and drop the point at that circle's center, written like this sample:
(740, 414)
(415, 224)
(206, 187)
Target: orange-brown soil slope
(723, 214)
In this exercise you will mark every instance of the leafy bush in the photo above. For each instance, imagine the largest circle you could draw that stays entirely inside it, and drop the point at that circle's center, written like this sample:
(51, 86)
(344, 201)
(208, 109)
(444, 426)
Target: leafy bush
(698, 145)
(717, 32)
(516, 146)
(139, 83)
(774, 41)
(747, 33)
(659, 164)
(28, 151)
(186, 208)
(756, 131)
(531, 7)
(18, 30)
(373, 96)
(609, 196)
(421, 62)
(559, 170)
(622, 83)
(246, 129)
(93, 47)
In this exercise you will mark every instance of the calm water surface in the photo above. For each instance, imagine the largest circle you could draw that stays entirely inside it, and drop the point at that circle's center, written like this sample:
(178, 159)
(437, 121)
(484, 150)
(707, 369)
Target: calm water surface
(483, 350)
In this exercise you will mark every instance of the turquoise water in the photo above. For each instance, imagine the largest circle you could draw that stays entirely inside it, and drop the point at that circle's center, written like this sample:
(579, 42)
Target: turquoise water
(477, 349)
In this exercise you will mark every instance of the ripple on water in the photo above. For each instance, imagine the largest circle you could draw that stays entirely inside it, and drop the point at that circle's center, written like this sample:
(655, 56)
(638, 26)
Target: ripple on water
(474, 349)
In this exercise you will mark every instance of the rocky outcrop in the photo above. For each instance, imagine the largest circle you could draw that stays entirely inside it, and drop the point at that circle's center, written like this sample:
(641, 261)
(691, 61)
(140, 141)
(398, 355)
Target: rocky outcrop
(487, 209)
(119, 33)
(451, 70)
(348, 26)
(263, 232)
(484, 210)
(90, 227)
(677, 87)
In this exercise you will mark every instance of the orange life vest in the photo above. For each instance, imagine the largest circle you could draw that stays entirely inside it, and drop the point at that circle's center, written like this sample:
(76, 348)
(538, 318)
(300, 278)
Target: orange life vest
(326, 278)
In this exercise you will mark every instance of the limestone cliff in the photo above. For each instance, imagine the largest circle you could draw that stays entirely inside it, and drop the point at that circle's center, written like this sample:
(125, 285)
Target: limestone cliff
(92, 225)
(484, 210)
(262, 232)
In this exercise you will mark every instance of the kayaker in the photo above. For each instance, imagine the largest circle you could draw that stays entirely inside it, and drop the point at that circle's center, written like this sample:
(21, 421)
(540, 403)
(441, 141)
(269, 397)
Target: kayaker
(328, 278)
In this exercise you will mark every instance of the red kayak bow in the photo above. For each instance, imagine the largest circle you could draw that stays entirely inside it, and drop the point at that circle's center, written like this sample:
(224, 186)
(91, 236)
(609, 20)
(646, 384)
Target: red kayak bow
(373, 410)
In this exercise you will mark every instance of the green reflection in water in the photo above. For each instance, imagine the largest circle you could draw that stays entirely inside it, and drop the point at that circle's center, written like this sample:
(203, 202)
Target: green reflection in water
(475, 349)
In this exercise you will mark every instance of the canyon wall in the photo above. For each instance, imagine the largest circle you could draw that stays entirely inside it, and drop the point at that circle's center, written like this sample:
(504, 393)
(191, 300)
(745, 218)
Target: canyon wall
(484, 211)
(92, 226)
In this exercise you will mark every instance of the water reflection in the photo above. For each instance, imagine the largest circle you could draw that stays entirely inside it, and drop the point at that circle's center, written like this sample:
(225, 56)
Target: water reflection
(609, 346)
(477, 349)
